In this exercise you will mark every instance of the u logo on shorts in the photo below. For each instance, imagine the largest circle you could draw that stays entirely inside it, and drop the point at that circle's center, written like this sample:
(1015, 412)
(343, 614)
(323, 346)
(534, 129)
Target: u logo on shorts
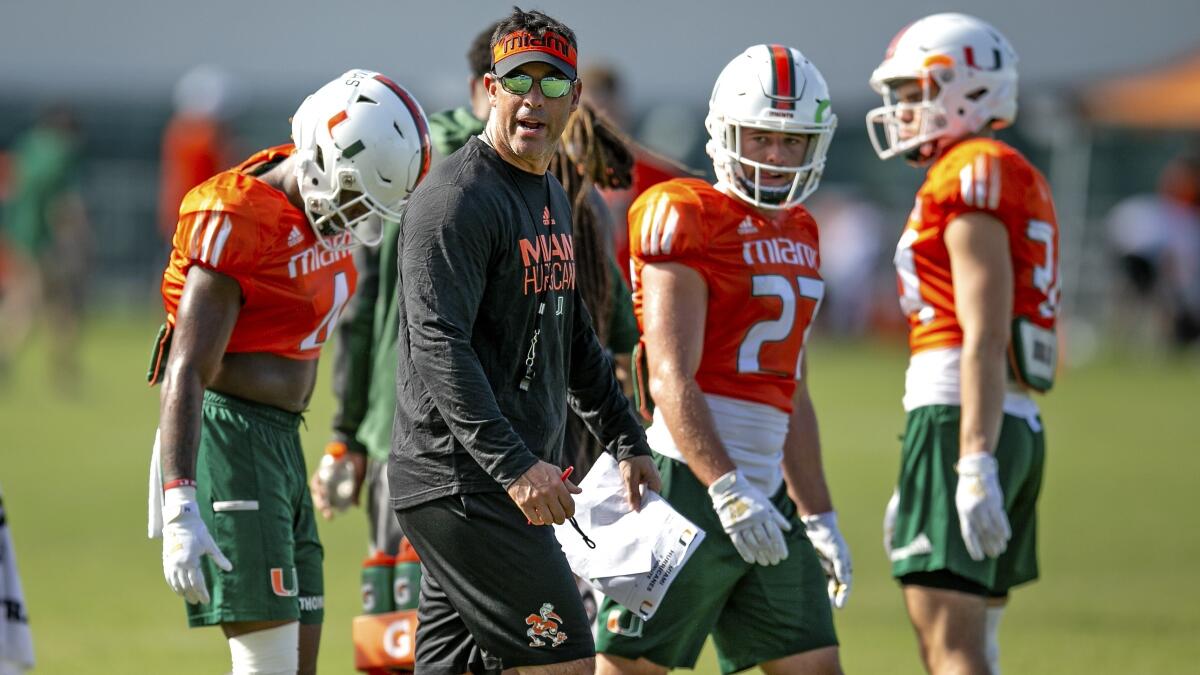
(278, 585)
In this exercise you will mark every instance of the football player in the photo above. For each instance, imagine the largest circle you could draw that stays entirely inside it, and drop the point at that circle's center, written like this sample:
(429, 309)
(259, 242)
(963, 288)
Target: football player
(259, 272)
(726, 285)
(977, 266)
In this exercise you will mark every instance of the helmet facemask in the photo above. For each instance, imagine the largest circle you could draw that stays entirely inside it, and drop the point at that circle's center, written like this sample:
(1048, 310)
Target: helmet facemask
(896, 118)
(745, 176)
(968, 78)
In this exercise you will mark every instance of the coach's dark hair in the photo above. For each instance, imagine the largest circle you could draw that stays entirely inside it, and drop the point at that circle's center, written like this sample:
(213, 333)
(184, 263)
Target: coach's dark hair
(479, 55)
(534, 22)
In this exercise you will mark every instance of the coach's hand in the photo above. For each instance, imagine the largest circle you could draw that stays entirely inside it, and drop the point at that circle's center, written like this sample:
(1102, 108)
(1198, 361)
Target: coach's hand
(980, 503)
(185, 540)
(750, 519)
(638, 471)
(543, 495)
(833, 552)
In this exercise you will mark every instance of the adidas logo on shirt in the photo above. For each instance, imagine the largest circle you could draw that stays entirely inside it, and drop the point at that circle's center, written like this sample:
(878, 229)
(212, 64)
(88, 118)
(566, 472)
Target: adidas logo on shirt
(295, 237)
(747, 227)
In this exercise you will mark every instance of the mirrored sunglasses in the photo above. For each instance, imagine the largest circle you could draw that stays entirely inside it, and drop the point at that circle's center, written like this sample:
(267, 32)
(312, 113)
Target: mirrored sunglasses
(552, 87)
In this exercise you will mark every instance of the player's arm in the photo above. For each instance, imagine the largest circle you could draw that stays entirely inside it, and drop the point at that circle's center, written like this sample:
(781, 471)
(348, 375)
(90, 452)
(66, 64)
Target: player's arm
(802, 466)
(981, 268)
(353, 357)
(675, 307)
(353, 351)
(805, 476)
(204, 322)
(674, 313)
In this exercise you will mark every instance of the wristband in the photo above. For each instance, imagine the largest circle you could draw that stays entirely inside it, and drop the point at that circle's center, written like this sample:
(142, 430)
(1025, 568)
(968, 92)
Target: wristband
(178, 482)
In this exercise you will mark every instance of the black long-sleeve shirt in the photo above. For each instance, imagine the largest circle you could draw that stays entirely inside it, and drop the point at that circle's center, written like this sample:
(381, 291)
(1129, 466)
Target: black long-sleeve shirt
(482, 245)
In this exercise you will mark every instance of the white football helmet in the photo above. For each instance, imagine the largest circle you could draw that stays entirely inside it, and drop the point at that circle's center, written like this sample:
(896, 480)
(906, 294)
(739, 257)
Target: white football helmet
(968, 74)
(364, 134)
(775, 88)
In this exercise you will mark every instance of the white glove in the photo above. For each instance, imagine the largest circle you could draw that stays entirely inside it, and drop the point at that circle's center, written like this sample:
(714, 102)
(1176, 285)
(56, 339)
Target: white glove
(185, 540)
(834, 553)
(889, 521)
(980, 504)
(750, 519)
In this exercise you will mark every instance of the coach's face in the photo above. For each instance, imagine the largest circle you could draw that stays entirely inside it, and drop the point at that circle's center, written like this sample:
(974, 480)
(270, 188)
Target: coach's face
(525, 128)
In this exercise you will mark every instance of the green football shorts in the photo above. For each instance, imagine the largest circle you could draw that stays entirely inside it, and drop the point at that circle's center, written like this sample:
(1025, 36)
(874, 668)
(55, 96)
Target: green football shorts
(927, 537)
(754, 613)
(252, 489)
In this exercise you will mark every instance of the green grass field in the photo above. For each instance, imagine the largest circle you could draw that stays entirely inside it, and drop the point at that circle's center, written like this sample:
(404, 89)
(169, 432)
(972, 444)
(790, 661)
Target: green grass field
(1119, 541)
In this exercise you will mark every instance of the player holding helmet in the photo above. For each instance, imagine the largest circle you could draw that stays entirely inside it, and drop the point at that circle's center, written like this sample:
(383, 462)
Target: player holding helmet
(978, 279)
(259, 272)
(726, 286)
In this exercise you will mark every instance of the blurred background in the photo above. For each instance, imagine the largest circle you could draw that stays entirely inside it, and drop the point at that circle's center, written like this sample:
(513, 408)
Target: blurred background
(111, 110)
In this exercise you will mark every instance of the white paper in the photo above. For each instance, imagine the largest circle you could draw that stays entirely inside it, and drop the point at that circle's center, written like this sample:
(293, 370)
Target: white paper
(638, 553)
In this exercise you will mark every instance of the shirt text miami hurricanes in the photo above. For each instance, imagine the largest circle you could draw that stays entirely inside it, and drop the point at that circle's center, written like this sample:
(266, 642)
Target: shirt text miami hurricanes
(549, 261)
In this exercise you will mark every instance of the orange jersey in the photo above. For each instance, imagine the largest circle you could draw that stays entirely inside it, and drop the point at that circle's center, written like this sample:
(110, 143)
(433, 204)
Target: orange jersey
(763, 283)
(977, 175)
(292, 289)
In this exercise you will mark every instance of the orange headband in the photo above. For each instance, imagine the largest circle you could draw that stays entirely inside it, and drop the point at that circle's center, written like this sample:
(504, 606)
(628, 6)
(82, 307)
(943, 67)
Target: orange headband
(558, 48)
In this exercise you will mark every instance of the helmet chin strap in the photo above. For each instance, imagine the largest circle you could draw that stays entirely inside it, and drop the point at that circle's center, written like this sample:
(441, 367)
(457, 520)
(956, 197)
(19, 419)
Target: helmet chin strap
(769, 194)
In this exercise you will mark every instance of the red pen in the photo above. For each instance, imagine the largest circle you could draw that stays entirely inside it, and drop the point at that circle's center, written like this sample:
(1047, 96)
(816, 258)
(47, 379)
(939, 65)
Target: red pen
(565, 475)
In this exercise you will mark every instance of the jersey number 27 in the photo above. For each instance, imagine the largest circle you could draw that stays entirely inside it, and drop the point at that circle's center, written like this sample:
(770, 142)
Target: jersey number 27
(751, 357)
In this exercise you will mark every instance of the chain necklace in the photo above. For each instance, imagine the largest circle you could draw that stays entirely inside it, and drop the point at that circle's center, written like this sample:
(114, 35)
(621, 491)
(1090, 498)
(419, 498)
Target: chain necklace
(531, 353)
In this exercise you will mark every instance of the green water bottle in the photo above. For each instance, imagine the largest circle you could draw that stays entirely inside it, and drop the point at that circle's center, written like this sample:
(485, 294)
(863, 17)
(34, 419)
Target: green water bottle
(406, 584)
(377, 584)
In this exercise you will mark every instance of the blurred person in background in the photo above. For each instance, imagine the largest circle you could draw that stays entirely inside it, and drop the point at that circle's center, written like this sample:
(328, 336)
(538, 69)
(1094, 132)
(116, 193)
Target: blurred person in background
(978, 277)
(259, 273)
(593, 155)
(605, 94)
(44, 226)
(726, 285)
(196, 142)
(1155, 239)
(452, 128)
(851, 236)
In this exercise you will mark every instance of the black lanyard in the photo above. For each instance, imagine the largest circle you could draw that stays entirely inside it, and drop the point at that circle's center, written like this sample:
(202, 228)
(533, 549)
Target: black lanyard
(540, 308)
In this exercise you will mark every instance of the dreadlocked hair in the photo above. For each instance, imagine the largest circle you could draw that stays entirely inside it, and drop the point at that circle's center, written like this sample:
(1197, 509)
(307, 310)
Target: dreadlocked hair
(592, 153)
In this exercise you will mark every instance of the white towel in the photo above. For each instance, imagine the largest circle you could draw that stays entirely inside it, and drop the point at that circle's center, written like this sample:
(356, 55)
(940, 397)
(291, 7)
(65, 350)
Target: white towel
(16, 641)
(154, 523)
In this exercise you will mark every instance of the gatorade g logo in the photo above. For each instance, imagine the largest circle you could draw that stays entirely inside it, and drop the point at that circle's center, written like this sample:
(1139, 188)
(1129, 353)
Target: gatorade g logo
(279, 586)
(401, 592)
(368, 598)
(398, 639)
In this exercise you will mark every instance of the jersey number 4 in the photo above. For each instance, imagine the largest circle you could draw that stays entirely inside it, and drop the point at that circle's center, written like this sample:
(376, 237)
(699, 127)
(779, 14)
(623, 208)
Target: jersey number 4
(341, 293)
(751, 358)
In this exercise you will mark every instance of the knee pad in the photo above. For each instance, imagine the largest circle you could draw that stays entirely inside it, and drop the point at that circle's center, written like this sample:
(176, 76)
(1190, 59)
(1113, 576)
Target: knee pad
(274, 651)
